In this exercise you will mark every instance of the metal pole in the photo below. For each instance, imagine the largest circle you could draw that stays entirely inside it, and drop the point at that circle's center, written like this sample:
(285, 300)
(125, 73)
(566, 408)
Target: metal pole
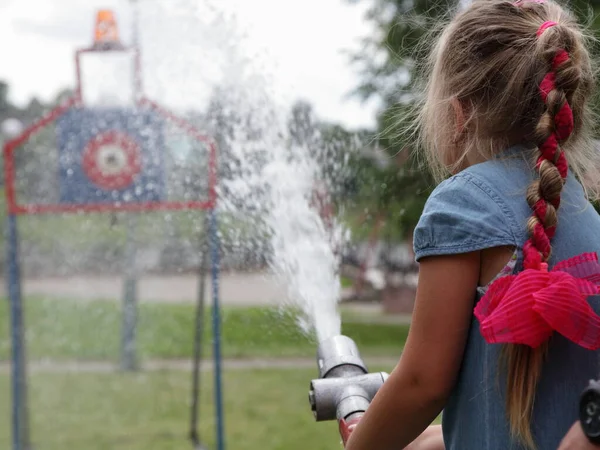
(198, 332)
(216, 327)
(137, 69)
(128, 347)
(20, 419)
(134, 23)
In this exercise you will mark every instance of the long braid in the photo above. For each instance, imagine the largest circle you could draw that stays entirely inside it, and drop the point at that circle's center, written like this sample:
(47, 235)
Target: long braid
(543, 196)
(524, 363)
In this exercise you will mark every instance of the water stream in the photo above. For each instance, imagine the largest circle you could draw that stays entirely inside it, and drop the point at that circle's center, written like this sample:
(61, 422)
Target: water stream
(269, 179)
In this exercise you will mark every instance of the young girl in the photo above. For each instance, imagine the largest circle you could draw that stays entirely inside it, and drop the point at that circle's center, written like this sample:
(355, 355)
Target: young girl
(503, 333)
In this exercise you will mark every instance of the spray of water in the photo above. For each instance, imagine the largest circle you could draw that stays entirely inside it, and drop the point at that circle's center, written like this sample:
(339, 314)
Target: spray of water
(268, 180)
(302, 245)
(274, 181)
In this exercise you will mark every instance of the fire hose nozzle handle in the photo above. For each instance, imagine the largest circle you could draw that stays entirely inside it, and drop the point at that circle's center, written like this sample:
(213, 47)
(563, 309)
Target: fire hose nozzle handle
(347, 427)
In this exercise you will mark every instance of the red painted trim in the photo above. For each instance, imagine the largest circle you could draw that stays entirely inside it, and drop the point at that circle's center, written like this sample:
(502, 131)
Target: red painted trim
(10, 146)
(110, 207)
(181, 123)
(25, 209)
(47, 119)
(196, 134)
(126, 175)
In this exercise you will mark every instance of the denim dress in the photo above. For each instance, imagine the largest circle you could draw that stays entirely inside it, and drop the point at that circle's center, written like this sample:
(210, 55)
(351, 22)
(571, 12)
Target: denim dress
(484, 206)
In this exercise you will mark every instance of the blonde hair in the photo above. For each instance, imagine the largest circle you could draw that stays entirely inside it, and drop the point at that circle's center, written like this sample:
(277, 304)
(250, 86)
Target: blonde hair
(488, 65)
(490, 60)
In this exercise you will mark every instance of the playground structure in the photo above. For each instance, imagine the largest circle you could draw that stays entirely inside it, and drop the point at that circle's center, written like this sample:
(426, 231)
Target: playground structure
(110, 160)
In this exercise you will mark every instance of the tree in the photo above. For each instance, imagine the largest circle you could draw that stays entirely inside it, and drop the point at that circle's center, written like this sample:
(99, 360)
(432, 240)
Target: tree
(7, 109)
(339, 161)
(62, 96)
(3, 96)
(330, 147)
(387, 65)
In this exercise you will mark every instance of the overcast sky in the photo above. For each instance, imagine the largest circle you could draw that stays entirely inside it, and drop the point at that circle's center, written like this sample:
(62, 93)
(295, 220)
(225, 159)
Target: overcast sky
(189, 46)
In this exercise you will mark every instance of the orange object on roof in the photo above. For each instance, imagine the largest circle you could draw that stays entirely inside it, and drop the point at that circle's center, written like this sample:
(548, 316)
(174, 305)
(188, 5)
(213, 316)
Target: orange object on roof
(106, 31)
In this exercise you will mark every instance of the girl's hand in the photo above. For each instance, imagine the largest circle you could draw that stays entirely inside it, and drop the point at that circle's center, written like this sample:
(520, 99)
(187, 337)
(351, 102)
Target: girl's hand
(430, 439)
(576, 440)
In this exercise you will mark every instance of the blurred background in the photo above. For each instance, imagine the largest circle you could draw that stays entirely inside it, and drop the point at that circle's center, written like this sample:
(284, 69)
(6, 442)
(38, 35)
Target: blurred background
(317, 195)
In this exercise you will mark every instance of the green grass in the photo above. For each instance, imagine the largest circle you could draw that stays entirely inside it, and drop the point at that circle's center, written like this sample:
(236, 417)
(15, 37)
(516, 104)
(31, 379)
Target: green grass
(68, 329)
(264, 410)
(346, 282)
(81, 232)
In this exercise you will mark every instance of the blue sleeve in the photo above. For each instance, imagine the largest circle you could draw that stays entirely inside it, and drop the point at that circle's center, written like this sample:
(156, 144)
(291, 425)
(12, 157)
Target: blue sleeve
(462, 215)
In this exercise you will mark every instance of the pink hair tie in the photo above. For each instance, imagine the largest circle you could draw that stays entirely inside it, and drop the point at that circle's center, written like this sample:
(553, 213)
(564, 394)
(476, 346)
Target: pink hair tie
(544, 27)
(527, 308)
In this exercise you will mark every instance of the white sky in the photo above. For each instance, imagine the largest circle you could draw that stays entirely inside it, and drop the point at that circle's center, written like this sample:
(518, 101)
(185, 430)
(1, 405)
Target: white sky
(191, 45)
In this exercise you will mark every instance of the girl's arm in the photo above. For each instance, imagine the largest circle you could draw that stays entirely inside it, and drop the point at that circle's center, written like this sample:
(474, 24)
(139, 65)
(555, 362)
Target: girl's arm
(417, 389)
(431, 439)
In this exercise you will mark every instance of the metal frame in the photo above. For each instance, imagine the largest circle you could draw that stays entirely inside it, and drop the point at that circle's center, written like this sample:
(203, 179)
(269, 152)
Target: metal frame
(20, 420)
(14, 207)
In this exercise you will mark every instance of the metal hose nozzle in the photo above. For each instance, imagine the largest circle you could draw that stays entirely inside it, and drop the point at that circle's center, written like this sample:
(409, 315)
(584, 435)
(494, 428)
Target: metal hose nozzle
(344, 388)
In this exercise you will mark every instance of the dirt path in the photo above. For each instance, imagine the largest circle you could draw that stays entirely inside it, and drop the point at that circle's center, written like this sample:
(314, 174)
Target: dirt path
(236, 289)
(185, 365)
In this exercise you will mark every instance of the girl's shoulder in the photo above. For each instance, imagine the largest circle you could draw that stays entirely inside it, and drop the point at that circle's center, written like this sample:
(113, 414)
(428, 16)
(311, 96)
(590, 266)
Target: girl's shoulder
(471, 211)
(499, 178)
